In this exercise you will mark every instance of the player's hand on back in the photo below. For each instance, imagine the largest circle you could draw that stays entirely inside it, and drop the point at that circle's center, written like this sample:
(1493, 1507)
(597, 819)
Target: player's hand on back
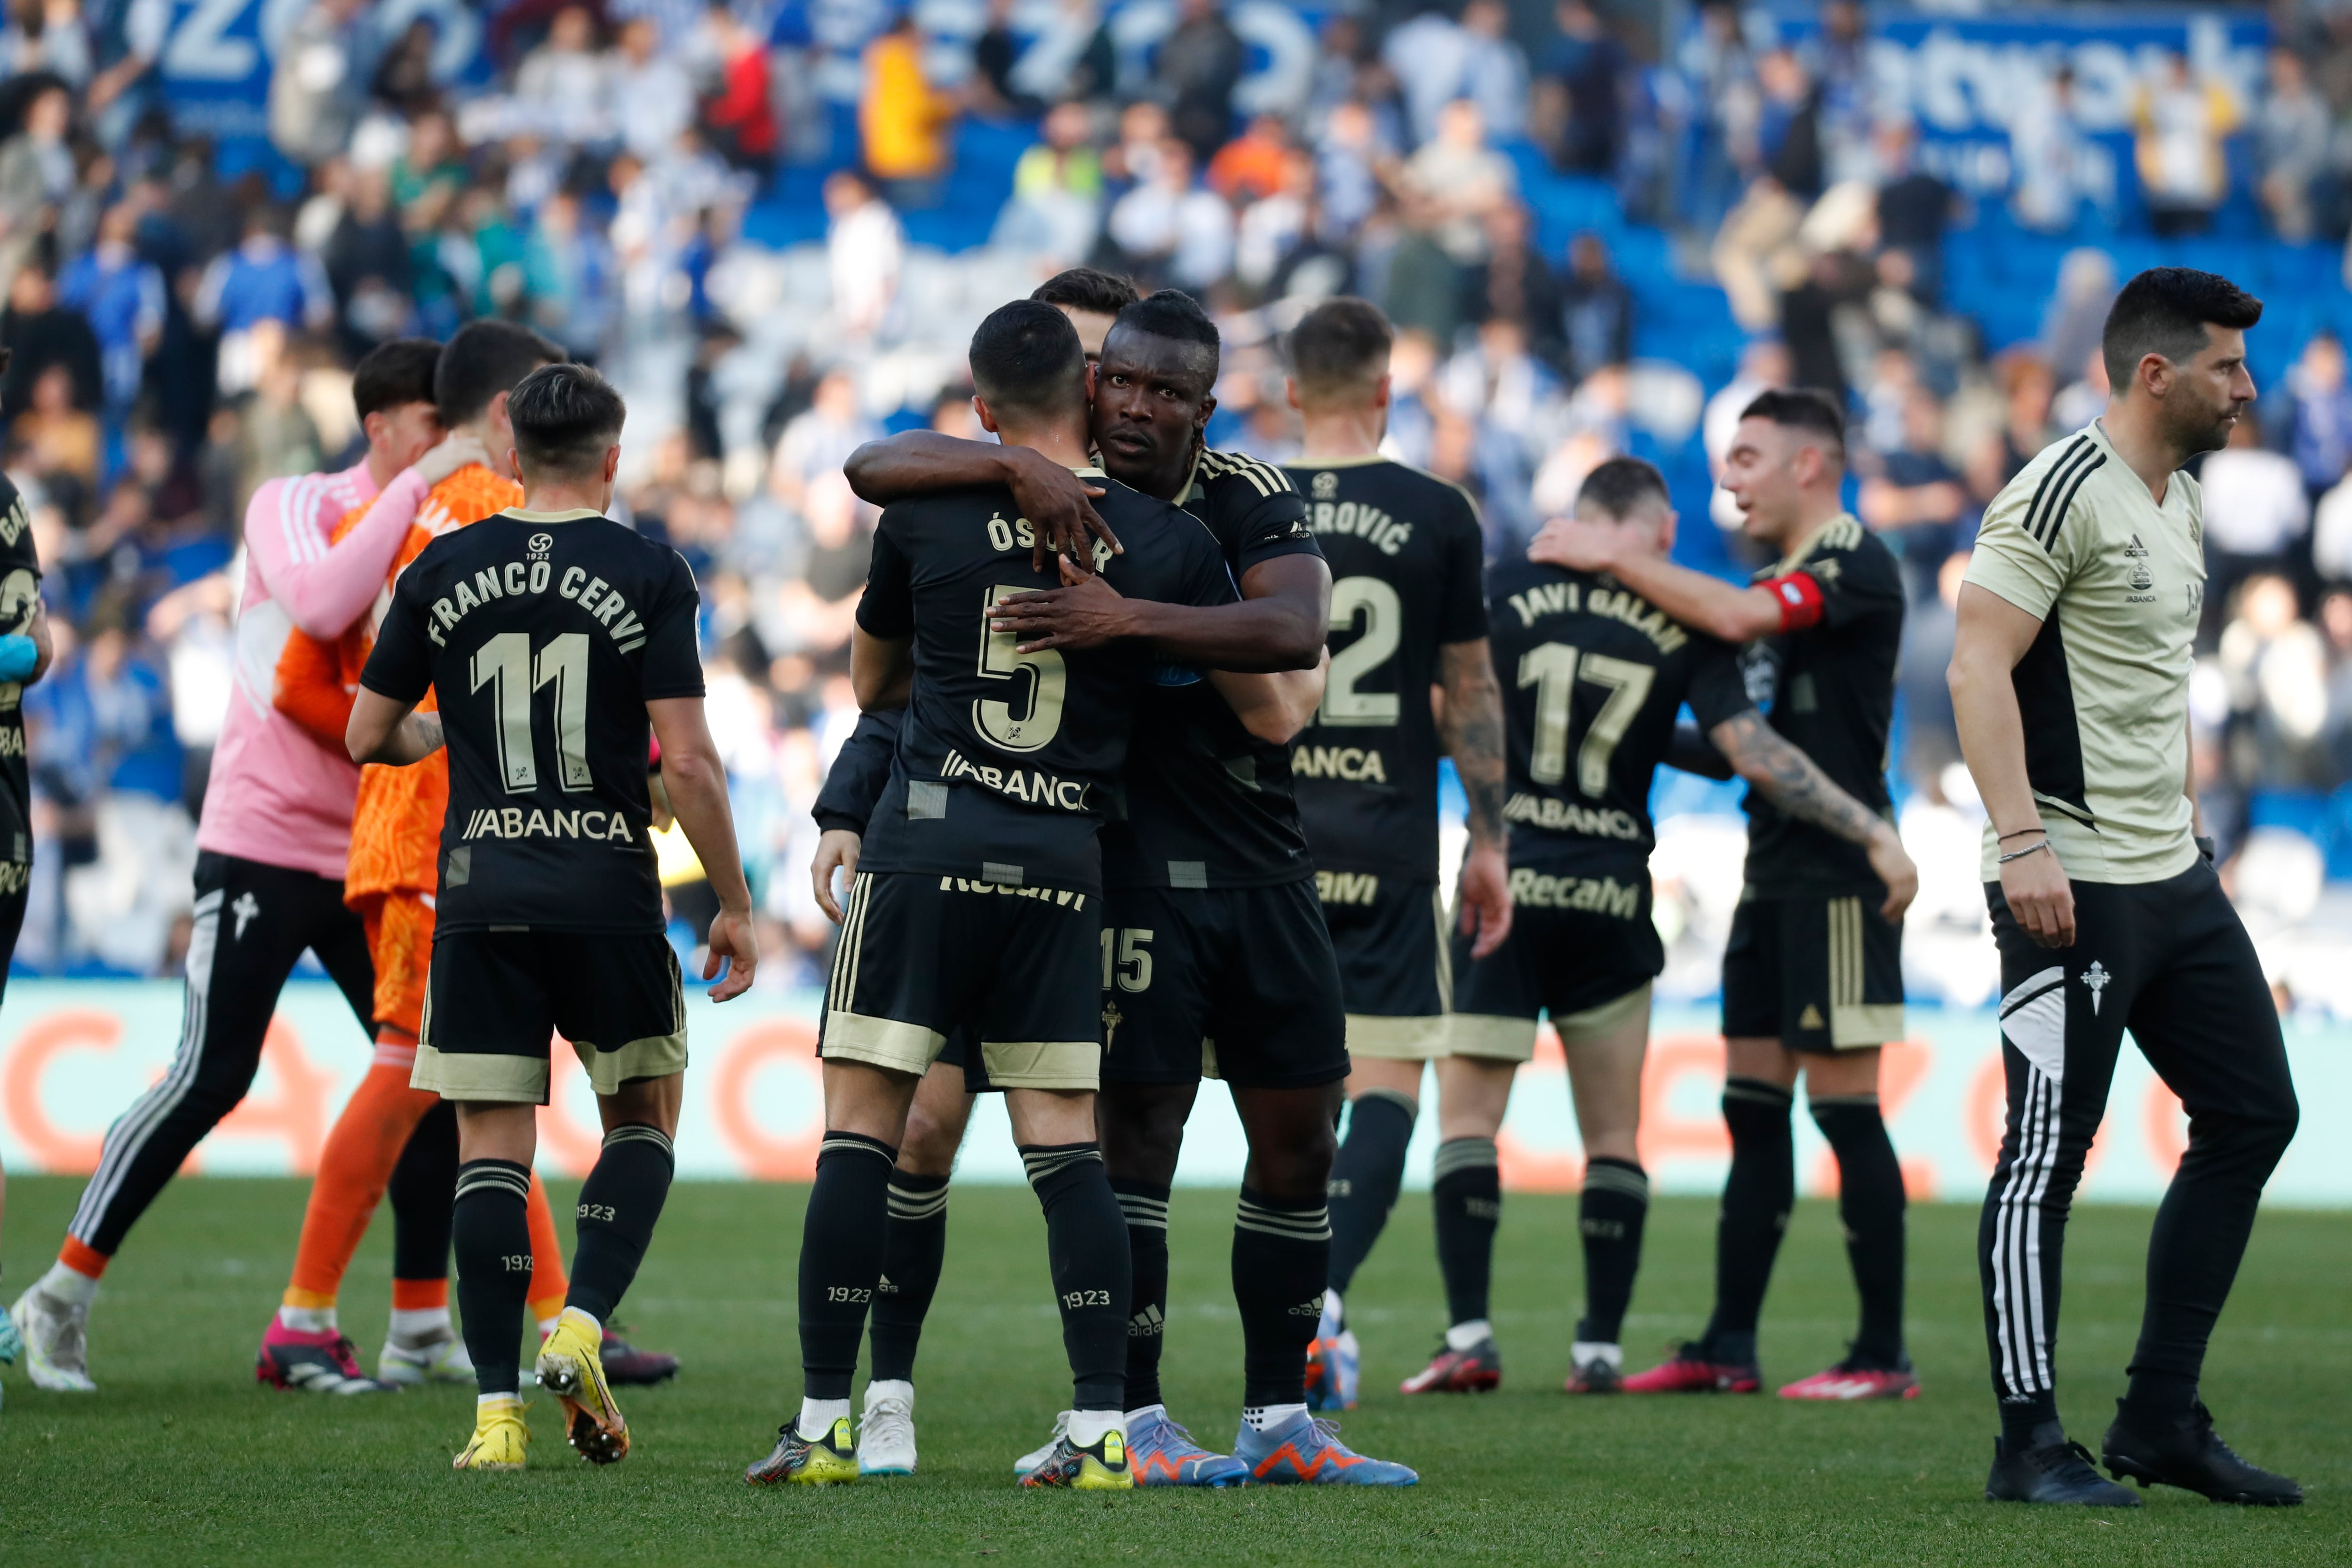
(1893, 866)
(836, 850)
(1059, 506)
(1085, 612)
(1579, 546)
(454, 453)
(2039, 894)
(1486, 898)
(731, 943)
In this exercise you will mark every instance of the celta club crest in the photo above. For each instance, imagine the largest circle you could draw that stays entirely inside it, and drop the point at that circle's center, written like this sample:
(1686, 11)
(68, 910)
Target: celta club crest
(540, 544)
(1325, 485)
(2142, 579)
(2096, 978)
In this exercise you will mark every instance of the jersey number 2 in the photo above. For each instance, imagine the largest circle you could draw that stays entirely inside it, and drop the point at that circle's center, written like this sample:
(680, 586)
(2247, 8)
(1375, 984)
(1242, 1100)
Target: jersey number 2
(1553, 670)
(504, 665)
(1383, 613)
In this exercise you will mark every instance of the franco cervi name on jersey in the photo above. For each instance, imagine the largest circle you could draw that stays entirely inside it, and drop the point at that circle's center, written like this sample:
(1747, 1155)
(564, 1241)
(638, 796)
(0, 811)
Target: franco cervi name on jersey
(1554, 669)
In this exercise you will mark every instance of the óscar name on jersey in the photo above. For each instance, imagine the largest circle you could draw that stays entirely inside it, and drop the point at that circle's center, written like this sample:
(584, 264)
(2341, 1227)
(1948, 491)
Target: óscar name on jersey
(517, 578)
(1019, 535)
(1570, 598)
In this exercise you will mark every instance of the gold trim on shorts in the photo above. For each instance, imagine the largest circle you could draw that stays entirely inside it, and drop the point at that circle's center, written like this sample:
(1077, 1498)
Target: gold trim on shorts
(1490, 1036)
(1412, 1039)
(1855, 1024)
(1043, 1064)
(1594, 1023)
(655, 1055)
(881, 1042)
(464, 1075)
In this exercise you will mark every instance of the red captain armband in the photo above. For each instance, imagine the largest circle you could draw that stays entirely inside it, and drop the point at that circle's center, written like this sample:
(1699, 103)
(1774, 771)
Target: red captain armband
(1799, 597)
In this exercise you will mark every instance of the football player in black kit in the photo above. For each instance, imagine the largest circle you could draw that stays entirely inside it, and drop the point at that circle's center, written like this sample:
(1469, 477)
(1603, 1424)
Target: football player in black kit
(1215, 934)
(1407, 613)
(1595, 675)
(1813, 977)
(553, 636)
(24, 654)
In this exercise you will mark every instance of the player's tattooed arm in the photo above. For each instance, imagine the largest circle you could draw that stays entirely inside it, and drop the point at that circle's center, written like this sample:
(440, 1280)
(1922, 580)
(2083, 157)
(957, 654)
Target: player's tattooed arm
(1793, 782)
(1470, 723)
(388, 731)
(1058, 504)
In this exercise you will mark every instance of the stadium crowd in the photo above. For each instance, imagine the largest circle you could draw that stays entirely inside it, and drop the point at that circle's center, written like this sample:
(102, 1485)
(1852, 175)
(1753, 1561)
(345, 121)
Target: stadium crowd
(1593, 240)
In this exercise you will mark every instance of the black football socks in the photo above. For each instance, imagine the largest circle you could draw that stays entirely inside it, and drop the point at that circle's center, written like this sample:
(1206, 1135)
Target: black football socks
(841, 1245)
(620, 1203)
(420, 1192)
(1756, 1198)
(1610, 1215)
(1366, 1175)
(1085, 1244)
(493, 1244)
(1467, 1200)
(1870, 1203)
(914, 1249)
(1282, 1256)
(1145, 1206)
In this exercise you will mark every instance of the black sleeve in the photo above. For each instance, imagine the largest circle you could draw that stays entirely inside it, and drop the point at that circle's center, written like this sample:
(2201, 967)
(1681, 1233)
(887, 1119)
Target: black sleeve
(672, 661)
(17, 552)
(401, 664)
(1855, 583)
(1693, 753)
(1462, 609)
(1718, 691)
(1202, 577)
(1268, 521)
(887, 608)
(860, 771)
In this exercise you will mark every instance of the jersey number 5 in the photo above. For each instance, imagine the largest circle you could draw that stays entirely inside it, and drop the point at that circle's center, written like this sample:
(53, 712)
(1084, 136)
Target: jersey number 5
(1553, 670)
(1000, 658)
(504, 665)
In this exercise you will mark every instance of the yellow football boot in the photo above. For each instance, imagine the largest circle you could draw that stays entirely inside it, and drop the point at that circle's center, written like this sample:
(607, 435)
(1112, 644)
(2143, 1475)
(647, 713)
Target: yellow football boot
(571, 1368)
(829, 1460)
(500, 1440)
(1100, 1467)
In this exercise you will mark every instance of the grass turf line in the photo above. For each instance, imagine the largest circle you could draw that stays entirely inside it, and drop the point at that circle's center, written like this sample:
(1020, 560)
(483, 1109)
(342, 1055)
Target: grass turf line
(182, 1457)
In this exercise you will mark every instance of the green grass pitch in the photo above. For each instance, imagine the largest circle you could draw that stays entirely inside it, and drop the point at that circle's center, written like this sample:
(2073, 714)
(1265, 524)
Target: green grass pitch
(183, 1459)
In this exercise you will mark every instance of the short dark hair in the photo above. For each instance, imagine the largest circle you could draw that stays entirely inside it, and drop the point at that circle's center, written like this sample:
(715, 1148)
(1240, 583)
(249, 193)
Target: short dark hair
(393, 373)
(1340, 345)
(1174, 314)
(1801, 409)
(1026, 356)
(1087, 289)
(2165, 310)
(482, 360)
(565, 417)
(1621, 484)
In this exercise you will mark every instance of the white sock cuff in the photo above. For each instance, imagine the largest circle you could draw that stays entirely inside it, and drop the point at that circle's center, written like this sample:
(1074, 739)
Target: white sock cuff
(817, 1416)
(307, 1319)
(590, 1318)
(68, 1285)
(888, 1388)
(485, 1400)
(415, 1322)
(1461, 1336)
(1267, 1417)
(1087, 1426)
(1585, 1350)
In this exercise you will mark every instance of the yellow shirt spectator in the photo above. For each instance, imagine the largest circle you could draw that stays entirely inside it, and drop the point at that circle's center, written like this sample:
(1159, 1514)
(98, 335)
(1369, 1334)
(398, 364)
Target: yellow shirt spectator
(902, 115)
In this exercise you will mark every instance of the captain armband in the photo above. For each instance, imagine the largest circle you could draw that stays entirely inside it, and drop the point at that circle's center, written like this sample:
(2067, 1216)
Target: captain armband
(1799, 597)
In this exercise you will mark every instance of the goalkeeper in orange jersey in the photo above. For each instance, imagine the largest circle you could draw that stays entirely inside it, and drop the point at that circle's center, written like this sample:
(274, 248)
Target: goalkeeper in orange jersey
(391, 884)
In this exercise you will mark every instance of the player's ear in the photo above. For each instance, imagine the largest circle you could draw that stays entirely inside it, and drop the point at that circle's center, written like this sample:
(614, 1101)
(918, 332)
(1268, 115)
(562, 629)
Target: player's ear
(612, 462)
(1290, 390)
(1666, 531)
(987, 419)
(1380, 391)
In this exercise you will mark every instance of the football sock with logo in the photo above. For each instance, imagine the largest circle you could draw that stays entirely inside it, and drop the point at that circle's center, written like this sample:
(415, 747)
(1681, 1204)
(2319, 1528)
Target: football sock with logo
(1085, 1244)
(1870, 1203)
(419, 1196)
(843, 1237)
(1757, 1197)
(1468, 1198)
(1366, 1175)
(620, 1203)
(1145, 1205)
(1610, 1215)
(912, 1252)
(493, 1242)
(1282, 1256)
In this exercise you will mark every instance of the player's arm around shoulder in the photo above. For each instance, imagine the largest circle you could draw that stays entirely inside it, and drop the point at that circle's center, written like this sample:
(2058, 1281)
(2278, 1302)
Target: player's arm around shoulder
(1721, 609)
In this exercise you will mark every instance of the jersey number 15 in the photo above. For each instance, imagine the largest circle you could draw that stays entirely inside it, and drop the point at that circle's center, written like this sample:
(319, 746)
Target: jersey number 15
(1553, 670)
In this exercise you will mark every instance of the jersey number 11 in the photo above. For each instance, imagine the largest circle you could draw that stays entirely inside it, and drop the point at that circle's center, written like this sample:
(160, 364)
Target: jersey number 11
(505, 665)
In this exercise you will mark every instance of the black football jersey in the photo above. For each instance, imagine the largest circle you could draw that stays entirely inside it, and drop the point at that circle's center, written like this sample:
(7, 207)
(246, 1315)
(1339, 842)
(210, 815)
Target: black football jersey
(20, 597)
(1830, 689)
(543, 635)
(1008, 762)
(1209, 805)
(1406, 553)
(860, 772)
(1593, 677)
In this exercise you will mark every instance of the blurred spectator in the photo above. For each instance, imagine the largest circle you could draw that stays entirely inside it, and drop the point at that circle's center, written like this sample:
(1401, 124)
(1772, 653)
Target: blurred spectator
(2077, 315)
(1515, 280)
(2255, 509)
(257, 293)
(2293, 131)
(563, 84)
(1169, 228)
(37, 171)
(1755, 255)
(2331, 535)
(2310, 418)
(1914, 498)
(2276, 665)
(901, 117)
(863, 246)
(1461, 180)
(315, 95)
(1249, 166)
(568, 275)
(57, 438)
(1789, 125)
(741, 118)
(1914, 208)
(1273, 230)
(2081, 400)
(121, 296)
(818, 441)
(1596, 310)
(1057, 189)
(993, 56)
(1588, 67)
(1350, 161)
(1719, 70)
(2181, 123)
(1199, 65)
(2058, 166)
(39, 334)
(652, 90)
(1072, 57)
(2025, 427)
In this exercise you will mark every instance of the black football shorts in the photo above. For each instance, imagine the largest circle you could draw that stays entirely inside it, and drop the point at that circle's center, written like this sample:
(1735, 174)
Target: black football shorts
(1815, 973)
(493, 1001)
(920, 954)
(1586, 969)
(1395, 968)
(1230, 982)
